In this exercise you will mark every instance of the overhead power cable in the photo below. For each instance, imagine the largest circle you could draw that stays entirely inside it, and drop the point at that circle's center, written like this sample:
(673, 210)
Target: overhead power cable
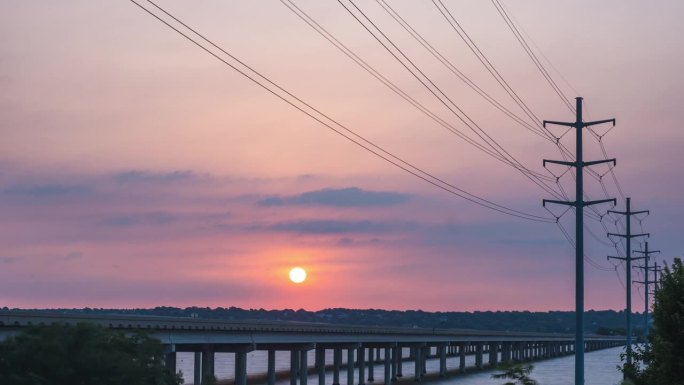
(459, 74)
(416, 72)
(270, 86)
(389, 84)
(530, 53)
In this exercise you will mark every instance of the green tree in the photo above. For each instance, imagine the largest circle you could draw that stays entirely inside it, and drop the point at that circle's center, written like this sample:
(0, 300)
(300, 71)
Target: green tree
(82, 354)
(519, 373)
(662, 361)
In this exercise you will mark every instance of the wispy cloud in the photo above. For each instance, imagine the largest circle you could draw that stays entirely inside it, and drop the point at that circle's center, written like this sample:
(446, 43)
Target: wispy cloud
(337, 227)
(151, 218)
(46, 190)
(345, 197)
(136, 176)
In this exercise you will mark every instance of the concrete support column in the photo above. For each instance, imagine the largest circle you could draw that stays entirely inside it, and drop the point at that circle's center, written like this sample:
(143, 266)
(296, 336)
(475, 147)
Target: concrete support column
(400, 362)
(442, 360)
(337, 362)
(418, 364)
(170, 361)
(294, 366)
(241, 368)
(462, 358)
(395, 353)
(371, 367)
(198, 368)
(350, 366)
(388, 366)
(423, 359)
(360, 360)
(493, 354)
(270, 371)
(478, 355)
(207, 364)
(320, 365)
(303, 367)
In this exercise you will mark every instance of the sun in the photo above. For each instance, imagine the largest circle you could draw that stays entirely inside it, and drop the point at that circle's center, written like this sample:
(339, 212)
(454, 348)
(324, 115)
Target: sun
(297, 275)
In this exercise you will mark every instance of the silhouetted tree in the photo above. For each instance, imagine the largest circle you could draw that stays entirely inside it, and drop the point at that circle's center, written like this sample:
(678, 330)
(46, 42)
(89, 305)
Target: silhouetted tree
(82, 354)
(661, 362)
(519, 373)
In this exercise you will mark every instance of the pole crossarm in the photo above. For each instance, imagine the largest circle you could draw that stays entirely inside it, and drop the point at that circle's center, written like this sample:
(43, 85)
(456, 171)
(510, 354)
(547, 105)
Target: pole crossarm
(562, 162)
(587, 124)
(612, 257)
(566, 203)
(559, 123)
(593, 162)
(628, 213)
(647, 235)
(646, 252)
(589, 203)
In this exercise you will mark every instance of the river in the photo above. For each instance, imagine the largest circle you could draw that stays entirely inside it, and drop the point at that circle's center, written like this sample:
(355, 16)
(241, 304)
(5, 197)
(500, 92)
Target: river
(600, 369)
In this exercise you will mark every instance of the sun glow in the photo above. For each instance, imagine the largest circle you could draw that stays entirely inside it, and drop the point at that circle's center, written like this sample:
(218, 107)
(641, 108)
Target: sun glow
(297, 275)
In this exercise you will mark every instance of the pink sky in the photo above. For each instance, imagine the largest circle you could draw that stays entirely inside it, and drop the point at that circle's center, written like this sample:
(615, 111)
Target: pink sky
(136, 170)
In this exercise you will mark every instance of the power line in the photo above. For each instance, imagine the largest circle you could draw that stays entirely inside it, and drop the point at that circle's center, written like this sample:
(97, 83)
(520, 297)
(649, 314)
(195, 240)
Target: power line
(459, 74)
(354, 138)
(388, 83)
(435, 90)
(530, 53)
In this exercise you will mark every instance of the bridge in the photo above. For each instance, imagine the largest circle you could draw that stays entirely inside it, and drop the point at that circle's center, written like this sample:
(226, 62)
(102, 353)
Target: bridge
(362, 346)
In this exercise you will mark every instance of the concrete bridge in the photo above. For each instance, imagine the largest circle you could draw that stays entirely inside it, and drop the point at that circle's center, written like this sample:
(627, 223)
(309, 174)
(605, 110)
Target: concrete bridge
(363, 346)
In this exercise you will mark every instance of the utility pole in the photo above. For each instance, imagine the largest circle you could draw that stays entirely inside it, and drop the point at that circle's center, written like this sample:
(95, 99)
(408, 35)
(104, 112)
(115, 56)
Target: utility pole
(647, 254)
(579, 205)
(656, 270)
(628, 268)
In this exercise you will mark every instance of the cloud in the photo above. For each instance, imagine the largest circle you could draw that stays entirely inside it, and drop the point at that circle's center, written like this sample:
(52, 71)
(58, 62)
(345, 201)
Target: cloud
(152, 218)
(46, 190)
(337, 227)
(8, 260)
(345, 197)
(135, 176)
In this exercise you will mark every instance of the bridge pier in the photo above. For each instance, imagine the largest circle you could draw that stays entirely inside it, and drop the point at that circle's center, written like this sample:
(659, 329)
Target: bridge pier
(350, 366)
(294, 366)
(270, 371)
(303, 366)
(240, 368)
(170, 357)
(320, 365)
(478, 355)
(400, 361)
(198, 368)
(493, 353)
(337, 362)
(462, 358)
(442, 359)
(371, 367)
(360, 359)
(388, 365)
(395, 353)
(417, 361)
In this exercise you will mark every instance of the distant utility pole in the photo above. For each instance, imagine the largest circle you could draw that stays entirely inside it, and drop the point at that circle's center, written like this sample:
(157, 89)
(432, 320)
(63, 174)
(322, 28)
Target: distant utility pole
(656, 270)
(579, 205)
(628, 268)
(647, 255)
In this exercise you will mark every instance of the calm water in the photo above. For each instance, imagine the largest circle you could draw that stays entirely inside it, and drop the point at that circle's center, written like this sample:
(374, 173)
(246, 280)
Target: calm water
(600, 369)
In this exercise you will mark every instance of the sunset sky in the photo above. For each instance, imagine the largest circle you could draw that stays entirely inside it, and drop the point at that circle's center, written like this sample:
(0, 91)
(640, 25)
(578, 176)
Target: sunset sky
(137, 170)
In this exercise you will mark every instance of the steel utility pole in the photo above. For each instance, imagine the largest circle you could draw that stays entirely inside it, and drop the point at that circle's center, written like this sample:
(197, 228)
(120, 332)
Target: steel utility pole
(656, 270)
(647, 255)
(579, 205)
(628, 268)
